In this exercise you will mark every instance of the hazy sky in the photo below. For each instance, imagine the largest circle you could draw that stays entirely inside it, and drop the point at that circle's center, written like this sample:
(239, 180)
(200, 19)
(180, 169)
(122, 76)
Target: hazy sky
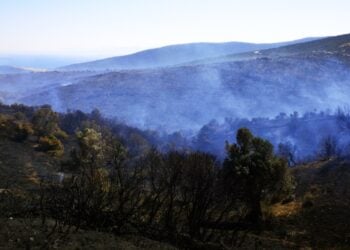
(120, 26)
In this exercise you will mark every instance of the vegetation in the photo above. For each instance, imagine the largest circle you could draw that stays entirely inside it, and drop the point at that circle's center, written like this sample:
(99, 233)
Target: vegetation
(64, 176)
(297, 138)
(252, 167)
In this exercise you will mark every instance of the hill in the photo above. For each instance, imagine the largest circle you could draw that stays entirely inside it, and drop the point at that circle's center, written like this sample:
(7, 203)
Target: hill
(15, 86)
(188, 96)
(173, 55)
(304, 77)
(337, 46)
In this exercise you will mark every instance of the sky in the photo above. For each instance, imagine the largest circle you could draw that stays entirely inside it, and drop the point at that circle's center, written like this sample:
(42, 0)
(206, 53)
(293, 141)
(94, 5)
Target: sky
(113, 27)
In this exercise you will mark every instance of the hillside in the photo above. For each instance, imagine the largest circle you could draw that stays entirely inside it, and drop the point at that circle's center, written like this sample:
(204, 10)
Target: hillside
(309, 210)
(173, 55)
(324, 190)
(336, 46)
(330, 47)
(15, 86)
(189, 96)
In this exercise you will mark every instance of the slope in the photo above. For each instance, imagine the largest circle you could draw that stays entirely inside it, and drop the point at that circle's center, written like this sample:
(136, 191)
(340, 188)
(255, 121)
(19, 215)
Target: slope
(337, 46)
(174, 54)
(186, 97)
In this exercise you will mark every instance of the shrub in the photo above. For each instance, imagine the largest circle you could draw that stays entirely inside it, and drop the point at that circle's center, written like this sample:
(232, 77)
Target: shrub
(51, 145)
(21, 131)
(14, 129)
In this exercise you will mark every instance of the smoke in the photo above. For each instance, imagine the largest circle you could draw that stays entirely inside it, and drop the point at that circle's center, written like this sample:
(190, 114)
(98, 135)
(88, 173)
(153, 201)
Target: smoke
(305, 134)
(184, 98)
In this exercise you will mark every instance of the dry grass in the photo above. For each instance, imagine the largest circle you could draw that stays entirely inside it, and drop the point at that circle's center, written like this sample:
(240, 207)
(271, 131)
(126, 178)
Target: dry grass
(286, 210)
(320, 216)
(21, 165)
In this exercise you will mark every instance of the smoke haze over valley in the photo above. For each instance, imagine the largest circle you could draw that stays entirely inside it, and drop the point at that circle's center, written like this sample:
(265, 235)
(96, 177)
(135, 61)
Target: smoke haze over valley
(304, 77)
(184, 87)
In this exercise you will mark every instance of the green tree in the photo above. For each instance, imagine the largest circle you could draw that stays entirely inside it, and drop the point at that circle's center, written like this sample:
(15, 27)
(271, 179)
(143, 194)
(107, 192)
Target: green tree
(91, 148)
(253, 168)
(45, 126)
(45, 121)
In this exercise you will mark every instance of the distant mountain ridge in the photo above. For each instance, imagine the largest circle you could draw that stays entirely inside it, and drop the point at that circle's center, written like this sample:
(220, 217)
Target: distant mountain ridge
(337, 46)
(174, 55)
